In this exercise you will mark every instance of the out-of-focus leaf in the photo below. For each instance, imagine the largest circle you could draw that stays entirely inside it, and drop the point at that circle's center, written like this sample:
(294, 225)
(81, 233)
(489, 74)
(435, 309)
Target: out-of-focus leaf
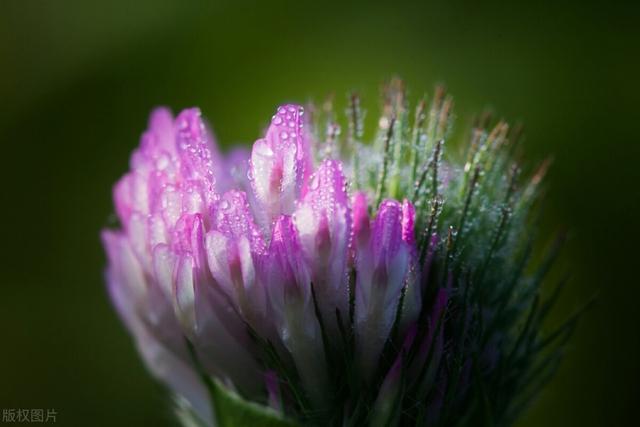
(231, 410)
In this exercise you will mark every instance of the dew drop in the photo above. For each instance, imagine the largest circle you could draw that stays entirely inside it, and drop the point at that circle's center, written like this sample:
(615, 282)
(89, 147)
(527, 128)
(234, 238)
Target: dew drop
(315, 183)
(263, 149)
(162, 162)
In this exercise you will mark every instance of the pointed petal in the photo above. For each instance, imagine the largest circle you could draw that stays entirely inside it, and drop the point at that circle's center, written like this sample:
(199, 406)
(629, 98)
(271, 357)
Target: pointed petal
(412, 302)
(289, 119)
(408, 222)
(387, 233)
(233, 247)
(125, 271)
(323, 222)
(131, 194)
(194, 148)
(127, 291)
(378, 285)
(161, 125)
(233, 173)
(163, 266)
(157, 144)
(233, 218)
(207, 318)
(184, 294)
(279, 165)
(288, 286)
(177, 374)
(287, 270)
(361, 223)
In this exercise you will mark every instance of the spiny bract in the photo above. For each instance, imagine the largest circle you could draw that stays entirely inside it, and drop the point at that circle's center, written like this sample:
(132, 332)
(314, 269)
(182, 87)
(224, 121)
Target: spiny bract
(334, 281)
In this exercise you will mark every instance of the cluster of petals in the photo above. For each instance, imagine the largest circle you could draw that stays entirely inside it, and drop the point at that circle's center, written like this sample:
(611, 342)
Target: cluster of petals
(215, 250)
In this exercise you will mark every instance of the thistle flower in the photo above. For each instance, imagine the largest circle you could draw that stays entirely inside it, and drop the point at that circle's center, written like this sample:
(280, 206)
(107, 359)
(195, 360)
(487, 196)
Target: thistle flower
(322, 280)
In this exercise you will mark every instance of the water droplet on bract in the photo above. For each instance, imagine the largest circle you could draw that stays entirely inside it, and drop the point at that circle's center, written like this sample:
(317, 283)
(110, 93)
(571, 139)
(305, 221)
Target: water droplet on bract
(224, 205)
(263, 149)
(315, 183)
(284, 135)
(276, 120)
(162, 162)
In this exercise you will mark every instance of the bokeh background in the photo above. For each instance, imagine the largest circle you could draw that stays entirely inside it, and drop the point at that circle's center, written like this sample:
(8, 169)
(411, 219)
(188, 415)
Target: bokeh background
(78, 78)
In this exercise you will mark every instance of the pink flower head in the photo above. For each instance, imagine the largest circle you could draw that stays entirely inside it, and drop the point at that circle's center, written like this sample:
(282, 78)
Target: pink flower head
(318, 277)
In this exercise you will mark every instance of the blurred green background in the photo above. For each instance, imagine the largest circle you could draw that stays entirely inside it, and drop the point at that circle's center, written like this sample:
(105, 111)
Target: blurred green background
(77, 81)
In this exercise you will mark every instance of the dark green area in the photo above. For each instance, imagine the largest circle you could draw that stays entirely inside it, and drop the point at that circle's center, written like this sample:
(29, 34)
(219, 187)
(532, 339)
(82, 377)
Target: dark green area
(77, 80)
(234, 411)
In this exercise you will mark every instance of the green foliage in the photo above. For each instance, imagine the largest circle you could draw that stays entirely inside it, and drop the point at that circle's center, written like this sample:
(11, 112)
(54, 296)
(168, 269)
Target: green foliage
(231, 410)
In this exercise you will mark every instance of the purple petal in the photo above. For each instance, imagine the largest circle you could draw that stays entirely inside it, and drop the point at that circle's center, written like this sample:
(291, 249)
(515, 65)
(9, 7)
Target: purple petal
(387, 232)
(412, 302)
(124, 275)
(131, 194)
(280, 164)
(288, 285)
(382, 267)
(205, 316)
(161, 126)
(361, 226)
(234, 247)
(361, 223)
(162, 348)
(408, 222)
(323, 222)
(237, 167)
(233, 218)
(184, 294)
(288, 274)
(195, 146)
(157, 145)
(188, 237)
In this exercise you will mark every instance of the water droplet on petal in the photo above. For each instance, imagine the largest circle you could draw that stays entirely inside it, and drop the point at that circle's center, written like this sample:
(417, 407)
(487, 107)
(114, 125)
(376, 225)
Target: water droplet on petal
(263, 149)
(315, 183)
